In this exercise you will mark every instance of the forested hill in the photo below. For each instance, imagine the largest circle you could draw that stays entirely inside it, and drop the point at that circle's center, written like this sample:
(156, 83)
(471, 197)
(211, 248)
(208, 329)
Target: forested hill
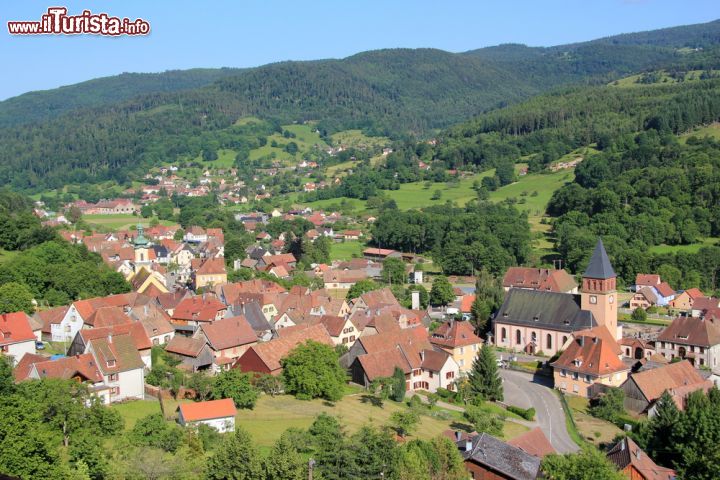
(504, 74)
(46, 104)
(384, 92)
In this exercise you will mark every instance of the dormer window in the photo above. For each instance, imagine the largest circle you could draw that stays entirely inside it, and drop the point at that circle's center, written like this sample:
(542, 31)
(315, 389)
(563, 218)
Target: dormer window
(111, 363)
(536, 318)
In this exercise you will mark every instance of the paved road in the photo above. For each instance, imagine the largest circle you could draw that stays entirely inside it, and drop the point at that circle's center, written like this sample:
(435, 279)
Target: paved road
(522, 390)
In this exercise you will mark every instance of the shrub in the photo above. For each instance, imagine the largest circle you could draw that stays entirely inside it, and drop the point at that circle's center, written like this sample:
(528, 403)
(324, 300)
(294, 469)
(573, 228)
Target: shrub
(527, 414)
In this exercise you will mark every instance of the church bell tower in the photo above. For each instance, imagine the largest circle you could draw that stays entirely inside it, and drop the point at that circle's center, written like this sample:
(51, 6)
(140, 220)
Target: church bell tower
(598, 293)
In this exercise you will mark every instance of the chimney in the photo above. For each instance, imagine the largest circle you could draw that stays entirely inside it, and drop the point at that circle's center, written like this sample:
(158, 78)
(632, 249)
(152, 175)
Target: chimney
(638, 454)
(622, 444)
(110, 338)
(458, 435)
(468, 444)
(582, 341)
(595, 340)
(422, 355)
(415, 295)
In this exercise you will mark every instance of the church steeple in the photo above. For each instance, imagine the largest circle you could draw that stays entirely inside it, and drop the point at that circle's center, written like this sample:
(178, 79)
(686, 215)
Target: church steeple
(599, 266)
(598, 290)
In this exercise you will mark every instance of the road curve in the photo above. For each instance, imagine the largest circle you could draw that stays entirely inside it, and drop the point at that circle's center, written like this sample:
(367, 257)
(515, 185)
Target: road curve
(525, 390)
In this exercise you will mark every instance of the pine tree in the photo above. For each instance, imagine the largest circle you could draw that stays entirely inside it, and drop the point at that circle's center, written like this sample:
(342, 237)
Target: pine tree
(398, 385)
(236, 459)
(284, 461)
(484, 380)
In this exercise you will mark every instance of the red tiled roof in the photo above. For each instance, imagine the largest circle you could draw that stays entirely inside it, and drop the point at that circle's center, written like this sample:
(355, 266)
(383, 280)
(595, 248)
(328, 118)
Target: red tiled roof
(692, 331)
(381, 252)
(647, 279)
(694, 293)
(211, 266)
(534, 442)
(198, 309)
(665, 289)
(50, 317)
(107, 317)
(433, 360)
(134, 329)
(185, 346)
(466, 303)
(627, 453)
(229, 332)
(67, 367)
(652, 383)
(212, 409)
(597, 356)
(275, 350)
(455, 334)
(15, 328)
(539, 279)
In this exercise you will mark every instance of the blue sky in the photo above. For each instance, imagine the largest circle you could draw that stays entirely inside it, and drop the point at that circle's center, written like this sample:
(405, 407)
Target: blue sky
(243, 33)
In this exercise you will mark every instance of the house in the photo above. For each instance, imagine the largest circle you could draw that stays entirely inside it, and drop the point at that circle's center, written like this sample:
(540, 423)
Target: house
(80, 368)
(78, 314)
(342, 279)
(169, 301)
(341, 329)
(218, 414)
(380, 254)
(643, 280)
(644, 298)
(692, 338)
(156, 323)
(195, 234)
(120, 365)
(705, 307)
(135, 329)
(193, 311)
(592, 357)
(254, 315)
(680, 379)
(208, 272)
(264, 358)
(194, 353)
(16, 336)
(665, 293)
(637, 348)
(459, 340)
(377, 356)
(349, 235)
(635, 464)
(684, 301)
(144, 279)
(48, 318)
(486, 457)
(544, 279)
(537, 320)
(228, 339)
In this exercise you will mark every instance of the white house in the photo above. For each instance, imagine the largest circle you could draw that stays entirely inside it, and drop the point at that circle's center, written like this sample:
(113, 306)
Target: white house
(67, 328)
(219, 414)
(121, 366)
(16, 335)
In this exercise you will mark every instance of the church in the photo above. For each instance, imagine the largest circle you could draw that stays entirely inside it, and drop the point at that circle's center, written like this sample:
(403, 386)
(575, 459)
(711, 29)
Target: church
(537, 321)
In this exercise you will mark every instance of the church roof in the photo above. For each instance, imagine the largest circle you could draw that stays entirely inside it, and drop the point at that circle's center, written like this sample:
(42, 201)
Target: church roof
(548, 310)
(599, 266)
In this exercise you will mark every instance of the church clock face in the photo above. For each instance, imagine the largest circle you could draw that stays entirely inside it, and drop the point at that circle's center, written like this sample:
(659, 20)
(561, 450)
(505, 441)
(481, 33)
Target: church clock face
(611, 299)
(593, 299)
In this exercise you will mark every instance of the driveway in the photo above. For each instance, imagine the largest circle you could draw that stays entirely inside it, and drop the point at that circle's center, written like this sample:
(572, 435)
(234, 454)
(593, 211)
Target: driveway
(525, 390)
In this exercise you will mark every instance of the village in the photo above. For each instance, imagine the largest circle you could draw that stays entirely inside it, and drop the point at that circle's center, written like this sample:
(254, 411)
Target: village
(552, 331)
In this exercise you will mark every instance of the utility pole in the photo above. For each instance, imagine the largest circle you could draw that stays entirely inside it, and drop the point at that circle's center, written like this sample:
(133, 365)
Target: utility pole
(311, 465)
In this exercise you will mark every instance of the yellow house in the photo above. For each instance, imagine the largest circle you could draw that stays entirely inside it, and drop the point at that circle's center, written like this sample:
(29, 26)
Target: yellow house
(209, 273)
(458, 339)
(593, 356)
(144, 280)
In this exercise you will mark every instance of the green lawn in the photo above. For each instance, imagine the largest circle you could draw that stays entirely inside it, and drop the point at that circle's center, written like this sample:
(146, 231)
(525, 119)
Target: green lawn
(135, 410)
(273, 415)
(340, 168)
(712, 131)
(357, 139)
(523, 191)
(346, 250)
(305, 137)
(692, 248)
(665, 79)
(120, 221)
(226, 159)
(418, 195)
(592, 429)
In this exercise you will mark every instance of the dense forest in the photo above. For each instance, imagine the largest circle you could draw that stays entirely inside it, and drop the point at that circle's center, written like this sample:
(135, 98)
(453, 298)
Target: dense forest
(97, 131)
(462, 241)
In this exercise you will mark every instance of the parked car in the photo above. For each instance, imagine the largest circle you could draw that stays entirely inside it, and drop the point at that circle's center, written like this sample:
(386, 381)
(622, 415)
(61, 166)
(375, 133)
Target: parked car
(39, 346)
